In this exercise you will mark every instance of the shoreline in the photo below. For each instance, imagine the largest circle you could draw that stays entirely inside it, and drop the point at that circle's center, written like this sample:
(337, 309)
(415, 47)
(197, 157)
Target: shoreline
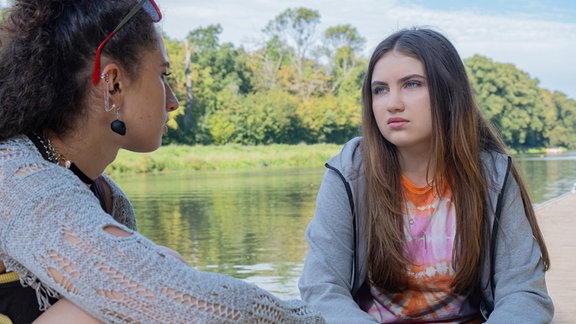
(174, 158)
(555, 218)
(265, 158)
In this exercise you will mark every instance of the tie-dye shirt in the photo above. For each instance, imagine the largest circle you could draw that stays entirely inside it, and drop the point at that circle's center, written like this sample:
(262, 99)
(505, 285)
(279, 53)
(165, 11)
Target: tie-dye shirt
(430, 221)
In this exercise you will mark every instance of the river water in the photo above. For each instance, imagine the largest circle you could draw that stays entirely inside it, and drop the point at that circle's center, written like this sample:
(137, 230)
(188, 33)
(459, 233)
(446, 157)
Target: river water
(251, 225)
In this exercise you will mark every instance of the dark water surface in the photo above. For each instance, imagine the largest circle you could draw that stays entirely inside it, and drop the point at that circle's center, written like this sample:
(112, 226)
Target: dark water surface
(251, 225)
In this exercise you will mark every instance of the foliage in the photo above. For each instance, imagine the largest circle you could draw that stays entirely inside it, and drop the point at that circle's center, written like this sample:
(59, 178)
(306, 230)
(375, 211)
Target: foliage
(296, 87)
(560, 120)
(223, 157)
(526, 115)
(297, 26)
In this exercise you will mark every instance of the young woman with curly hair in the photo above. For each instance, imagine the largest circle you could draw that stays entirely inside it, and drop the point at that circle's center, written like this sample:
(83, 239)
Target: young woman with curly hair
(80, 80)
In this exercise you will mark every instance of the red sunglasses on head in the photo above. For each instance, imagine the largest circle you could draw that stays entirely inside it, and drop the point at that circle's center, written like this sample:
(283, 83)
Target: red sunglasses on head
(151, 9)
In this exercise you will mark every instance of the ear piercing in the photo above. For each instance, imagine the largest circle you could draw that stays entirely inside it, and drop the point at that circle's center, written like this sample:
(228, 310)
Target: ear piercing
(117, 126)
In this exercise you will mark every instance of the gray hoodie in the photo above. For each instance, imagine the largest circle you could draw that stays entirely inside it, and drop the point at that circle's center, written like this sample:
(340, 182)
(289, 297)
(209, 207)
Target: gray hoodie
(513, 290)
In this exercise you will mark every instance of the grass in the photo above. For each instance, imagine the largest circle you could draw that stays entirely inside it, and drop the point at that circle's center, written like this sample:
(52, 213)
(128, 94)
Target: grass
(228, 157)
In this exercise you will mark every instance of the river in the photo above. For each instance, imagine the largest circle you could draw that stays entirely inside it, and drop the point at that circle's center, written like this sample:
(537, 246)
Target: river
(251, 225)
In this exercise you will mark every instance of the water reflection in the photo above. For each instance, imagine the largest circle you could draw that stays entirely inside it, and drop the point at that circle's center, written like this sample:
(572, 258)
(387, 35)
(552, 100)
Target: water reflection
(548, 176)
(251, 224)
(248, 225)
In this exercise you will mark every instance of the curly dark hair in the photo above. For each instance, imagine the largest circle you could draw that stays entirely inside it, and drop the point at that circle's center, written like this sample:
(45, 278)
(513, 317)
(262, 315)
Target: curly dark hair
(47, 56)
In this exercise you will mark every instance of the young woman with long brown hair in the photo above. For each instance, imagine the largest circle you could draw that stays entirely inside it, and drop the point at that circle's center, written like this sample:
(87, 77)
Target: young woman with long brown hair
(424, 218)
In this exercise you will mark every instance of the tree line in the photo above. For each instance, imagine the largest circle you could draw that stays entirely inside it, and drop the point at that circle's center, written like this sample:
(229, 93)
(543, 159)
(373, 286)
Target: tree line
(300, 85)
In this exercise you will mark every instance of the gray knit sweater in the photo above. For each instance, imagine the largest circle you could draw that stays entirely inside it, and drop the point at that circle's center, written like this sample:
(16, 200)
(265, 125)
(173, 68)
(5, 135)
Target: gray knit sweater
(52, 234)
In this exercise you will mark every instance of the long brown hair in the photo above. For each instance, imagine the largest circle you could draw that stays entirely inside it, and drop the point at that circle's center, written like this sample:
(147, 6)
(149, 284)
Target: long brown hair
(460, 133)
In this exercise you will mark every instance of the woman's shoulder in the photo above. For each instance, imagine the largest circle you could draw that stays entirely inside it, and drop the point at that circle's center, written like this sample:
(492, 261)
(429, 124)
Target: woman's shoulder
(114, 188)
(349, 160)
(493, 156)
(19, 156)
(122, 209)
(17, 146)
(496, 166)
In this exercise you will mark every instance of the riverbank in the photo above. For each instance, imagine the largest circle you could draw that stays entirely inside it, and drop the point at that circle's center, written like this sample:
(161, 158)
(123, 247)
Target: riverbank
(172, 158)
(556, 219)
(227, 157)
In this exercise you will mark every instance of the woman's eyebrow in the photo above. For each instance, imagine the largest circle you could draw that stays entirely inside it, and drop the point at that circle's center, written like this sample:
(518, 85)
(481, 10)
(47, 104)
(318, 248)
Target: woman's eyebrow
(401, 80)
(410, 76)
(377, 83)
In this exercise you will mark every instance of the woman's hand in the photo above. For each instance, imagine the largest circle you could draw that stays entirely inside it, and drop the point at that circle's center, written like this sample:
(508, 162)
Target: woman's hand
(65, 312)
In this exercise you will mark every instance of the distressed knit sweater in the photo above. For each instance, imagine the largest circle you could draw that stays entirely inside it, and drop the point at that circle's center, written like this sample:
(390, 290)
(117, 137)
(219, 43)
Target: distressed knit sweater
(52, 234)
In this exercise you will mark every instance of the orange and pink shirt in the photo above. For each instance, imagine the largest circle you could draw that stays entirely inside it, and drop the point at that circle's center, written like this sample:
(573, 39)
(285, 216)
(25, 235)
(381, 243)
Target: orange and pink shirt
(430, 228)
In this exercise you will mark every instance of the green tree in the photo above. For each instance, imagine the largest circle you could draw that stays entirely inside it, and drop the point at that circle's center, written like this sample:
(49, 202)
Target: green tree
(177, 80)
(265, 64)
(222, 122)
(210, 69)
(266, 118)
(297, 27)
(342, 47)
(227, 64)
(329, 119)
(284, 92)
(560, 119)
(510, 99)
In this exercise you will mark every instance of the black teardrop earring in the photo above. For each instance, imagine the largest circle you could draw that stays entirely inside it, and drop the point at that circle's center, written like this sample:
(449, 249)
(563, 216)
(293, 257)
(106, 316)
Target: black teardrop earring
(118, 126)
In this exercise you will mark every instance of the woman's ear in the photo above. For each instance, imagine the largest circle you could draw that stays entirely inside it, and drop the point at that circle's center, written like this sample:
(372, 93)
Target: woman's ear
(113, 73)
(113, 86)
(113, 92)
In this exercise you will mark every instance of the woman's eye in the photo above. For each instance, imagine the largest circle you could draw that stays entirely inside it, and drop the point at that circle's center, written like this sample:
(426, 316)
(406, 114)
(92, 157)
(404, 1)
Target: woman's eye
(412, 84)
(378, 90)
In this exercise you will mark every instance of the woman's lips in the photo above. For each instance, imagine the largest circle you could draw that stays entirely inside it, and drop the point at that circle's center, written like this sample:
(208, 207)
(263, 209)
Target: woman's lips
(165, 126)
(397, 122)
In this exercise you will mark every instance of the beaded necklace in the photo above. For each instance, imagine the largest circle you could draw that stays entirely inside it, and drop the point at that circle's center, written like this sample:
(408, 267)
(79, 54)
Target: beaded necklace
(47, 150)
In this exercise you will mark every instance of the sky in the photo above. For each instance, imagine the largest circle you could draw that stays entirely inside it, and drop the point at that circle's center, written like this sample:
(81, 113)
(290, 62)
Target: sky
(537, 36)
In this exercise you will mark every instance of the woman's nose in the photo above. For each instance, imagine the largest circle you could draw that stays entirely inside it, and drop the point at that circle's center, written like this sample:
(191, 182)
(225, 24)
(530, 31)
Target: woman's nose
(171, 100)
(395, 102)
